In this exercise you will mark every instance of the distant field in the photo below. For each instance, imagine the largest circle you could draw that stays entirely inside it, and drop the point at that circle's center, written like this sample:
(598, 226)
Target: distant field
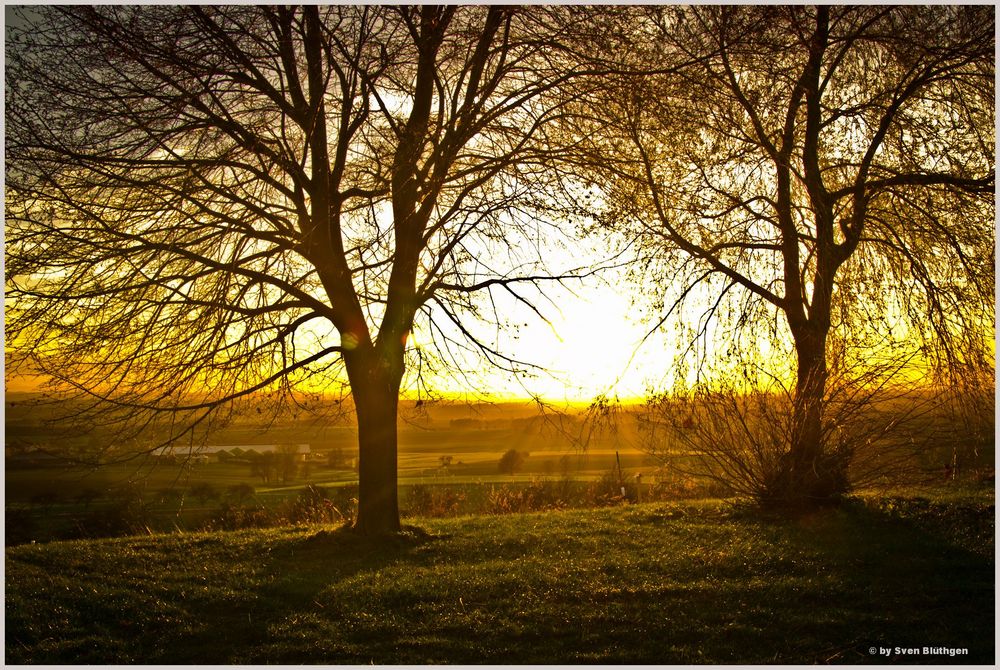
(474, 457)
(448, 464)
(652, 584)
(44, 502)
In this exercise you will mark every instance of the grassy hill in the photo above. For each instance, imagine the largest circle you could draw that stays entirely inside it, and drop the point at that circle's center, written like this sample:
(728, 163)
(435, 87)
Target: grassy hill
(699, 582)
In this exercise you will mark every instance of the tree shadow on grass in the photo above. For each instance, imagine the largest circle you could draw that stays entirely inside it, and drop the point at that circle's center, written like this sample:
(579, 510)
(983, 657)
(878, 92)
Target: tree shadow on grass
(843, 581)
(296, 573)
(645, 586)
(907, 575)
(821, 587)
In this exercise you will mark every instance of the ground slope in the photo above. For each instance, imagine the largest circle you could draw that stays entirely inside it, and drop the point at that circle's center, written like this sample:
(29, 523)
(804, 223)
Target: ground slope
(696, 583)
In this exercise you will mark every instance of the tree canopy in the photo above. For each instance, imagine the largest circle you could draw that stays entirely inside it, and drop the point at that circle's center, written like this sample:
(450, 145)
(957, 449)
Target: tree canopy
(206, 202)
(829, 166)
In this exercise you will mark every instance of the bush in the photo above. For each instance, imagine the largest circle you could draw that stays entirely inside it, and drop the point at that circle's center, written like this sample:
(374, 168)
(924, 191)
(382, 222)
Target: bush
(316, 505)
(46, 499)
(87, 496)
(535, 497)
(122, 518)
(241, 491)
(672, 484)
(235, 517)
(875, 426)
(511, 461)
(433, 501)
(605, 492)
(204, 492)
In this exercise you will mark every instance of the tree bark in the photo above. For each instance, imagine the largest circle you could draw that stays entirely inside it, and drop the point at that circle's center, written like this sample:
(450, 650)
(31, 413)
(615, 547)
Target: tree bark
(810, 474)
(375, 386)
(807, 412)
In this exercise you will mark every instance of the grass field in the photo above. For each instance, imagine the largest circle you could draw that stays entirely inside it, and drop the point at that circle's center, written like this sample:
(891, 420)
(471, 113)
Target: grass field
(45, 503)
(474, 453)
(663, 583)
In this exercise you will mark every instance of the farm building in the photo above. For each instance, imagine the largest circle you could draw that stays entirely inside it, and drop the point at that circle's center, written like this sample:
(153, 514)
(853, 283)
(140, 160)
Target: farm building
(225, 452)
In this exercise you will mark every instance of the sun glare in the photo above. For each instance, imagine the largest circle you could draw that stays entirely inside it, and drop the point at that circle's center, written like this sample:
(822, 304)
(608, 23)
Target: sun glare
(588, 347)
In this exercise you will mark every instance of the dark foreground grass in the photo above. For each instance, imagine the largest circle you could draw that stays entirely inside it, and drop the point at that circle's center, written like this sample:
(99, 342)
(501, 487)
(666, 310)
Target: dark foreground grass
(693, 583)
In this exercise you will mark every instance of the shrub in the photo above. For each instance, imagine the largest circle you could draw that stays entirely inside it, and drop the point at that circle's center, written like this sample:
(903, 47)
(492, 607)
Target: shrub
(241, 491)
(124, 517)
(605, 492)
(235, 517)
(535, 497)
(511, 461)
(875, 424)
(204, 492)
(315, 505)
(170, 496)
(673, 484)
(433, 501)
(46, 499)
(87, 496)
(19, 526)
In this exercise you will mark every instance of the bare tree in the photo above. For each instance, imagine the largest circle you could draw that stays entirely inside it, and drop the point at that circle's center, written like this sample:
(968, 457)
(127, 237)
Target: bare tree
(822, 178)
(737, 434)
(208, 203)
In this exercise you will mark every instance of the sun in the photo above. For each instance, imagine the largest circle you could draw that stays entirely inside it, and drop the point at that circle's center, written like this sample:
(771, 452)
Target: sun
(589, 347)
(592, 338)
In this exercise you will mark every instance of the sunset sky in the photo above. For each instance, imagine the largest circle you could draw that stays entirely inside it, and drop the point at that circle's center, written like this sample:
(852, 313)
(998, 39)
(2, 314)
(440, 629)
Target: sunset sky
(591, 347)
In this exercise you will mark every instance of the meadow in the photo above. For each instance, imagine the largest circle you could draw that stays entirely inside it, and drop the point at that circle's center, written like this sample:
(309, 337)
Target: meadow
(691, 582)
(548, 563)
(449, 465)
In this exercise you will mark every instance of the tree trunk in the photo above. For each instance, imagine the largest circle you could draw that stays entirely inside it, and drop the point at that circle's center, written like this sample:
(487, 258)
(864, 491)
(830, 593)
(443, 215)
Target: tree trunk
(376, 399)
(809, 474)
(807, 411)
